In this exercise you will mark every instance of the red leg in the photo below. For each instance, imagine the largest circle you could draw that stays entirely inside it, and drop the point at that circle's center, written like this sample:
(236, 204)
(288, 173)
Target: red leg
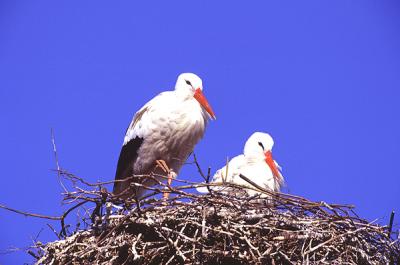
(171, 175)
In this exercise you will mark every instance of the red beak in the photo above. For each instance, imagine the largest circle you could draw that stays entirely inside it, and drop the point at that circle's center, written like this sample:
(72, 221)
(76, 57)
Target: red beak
(271, 163)
(199, 96)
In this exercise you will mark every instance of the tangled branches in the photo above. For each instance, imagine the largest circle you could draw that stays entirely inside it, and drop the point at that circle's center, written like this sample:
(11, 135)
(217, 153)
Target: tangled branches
(217, 228)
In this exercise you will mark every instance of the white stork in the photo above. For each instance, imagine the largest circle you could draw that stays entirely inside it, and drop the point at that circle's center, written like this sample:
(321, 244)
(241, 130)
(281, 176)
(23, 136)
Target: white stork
(165, 129)
(256, 164)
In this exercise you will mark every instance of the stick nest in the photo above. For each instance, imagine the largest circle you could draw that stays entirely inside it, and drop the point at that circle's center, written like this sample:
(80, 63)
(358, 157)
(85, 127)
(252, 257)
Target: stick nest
(221, 228)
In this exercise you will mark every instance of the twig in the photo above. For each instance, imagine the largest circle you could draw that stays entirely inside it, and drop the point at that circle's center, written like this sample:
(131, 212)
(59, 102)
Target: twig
(53, 140)
(198, 167)
(54, 231)
(30, 214)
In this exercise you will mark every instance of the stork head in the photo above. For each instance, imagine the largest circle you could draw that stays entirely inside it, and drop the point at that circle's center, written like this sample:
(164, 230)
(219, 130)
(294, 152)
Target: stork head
(260, 145)
(190, 85)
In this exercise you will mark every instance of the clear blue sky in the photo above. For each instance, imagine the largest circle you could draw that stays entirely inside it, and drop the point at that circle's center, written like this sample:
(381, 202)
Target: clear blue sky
(322, 77)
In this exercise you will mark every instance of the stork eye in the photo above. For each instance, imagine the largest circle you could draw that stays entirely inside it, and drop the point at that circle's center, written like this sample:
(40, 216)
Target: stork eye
(260, 144)
(188, 82)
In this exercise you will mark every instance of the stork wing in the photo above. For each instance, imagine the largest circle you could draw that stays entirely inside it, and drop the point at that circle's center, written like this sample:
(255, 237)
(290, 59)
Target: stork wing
(127, 158)
(133, 140)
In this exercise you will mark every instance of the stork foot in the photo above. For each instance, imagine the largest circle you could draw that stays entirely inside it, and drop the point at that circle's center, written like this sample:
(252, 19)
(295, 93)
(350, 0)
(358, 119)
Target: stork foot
(163, 165)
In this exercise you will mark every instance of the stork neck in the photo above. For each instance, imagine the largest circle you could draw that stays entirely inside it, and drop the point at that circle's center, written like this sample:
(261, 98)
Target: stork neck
(183, 93)
(254, 157)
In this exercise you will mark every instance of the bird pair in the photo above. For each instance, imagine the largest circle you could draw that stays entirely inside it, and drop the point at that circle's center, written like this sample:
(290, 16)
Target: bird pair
(163, 134)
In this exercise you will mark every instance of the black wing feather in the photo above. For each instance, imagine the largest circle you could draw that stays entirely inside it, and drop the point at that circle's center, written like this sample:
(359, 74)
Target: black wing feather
(127, 158)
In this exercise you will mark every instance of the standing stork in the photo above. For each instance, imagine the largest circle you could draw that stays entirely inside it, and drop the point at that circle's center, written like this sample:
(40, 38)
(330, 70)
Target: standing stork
(256, 164)
(165, 129)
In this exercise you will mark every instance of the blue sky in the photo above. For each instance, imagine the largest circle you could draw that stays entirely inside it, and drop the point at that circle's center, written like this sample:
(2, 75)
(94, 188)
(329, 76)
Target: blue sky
(322, 77)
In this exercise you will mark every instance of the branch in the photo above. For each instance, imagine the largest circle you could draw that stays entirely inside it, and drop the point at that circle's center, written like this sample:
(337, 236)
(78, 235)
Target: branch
(27, 214)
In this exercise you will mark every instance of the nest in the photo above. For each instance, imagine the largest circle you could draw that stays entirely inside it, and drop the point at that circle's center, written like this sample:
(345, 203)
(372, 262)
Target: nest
(221, 228)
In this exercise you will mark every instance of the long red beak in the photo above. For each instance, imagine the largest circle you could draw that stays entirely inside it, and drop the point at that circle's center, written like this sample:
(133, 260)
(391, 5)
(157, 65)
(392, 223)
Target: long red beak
(272, 165)
(199, 96)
